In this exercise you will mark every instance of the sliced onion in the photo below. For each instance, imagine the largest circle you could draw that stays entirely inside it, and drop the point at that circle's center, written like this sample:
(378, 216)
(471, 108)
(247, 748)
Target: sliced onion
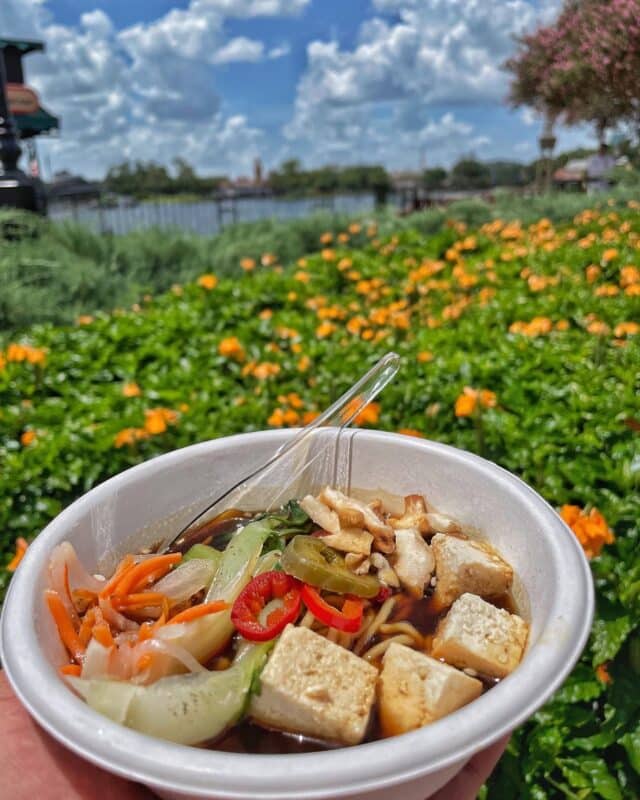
(164, 642)
(79, 578)
(190, 578)
(96, 661)
(115, 618)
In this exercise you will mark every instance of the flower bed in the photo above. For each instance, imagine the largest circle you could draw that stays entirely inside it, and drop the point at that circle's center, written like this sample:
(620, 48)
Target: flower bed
(518, 342)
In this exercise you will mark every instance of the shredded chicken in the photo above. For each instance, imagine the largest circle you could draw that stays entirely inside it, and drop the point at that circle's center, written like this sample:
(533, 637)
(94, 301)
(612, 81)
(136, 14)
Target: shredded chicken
(415, 515)
(384, 539)
(358, 563)
(386, 574)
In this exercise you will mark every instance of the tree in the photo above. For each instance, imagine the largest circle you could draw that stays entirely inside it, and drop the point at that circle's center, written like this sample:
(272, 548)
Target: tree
(584, 67)
(470, 174)
(434, 178)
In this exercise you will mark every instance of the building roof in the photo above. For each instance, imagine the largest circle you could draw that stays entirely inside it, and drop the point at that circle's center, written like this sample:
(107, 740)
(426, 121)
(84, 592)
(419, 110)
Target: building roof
(24, 45)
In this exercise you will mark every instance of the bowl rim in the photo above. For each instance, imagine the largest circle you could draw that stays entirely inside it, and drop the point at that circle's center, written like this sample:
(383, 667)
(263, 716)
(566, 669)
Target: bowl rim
(374, 765)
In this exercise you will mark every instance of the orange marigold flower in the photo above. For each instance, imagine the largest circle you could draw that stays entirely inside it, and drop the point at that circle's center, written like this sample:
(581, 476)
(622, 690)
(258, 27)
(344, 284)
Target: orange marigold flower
(28, 437)
(157, 419)
(354, 228)
(590, 528)
(607, 290)
(131, 389)
(296, 347)
(592, 273)
(626, 329)
(302, 262)
(326, 237)
(562, 325)
(21, 548)
(183, 407)
(466, 403)
(302, 276)
(266, 313)
(345, 263)
(247, 264)
(304, 364)
(633, 290)
(411, 432)
(369, 415)
(602, 673)
(266, 370)
(629, 275)
(343, 238)
(309, 416)
(424, 356)
(208, 282)
(231, 347)
(177, 289)
(129, 436)
(328, 254)
(268, 259)
(609, 255)
(292, 296)
(84, 319)
(598, 328)
(325, 329)
(487, 398)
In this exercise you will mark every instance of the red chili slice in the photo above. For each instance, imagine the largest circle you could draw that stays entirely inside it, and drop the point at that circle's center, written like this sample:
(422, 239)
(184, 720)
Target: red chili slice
(264, 588)
(347, 620)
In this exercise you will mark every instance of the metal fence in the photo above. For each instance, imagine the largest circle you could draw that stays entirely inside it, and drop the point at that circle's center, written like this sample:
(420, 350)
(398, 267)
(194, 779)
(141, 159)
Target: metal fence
(204, 217)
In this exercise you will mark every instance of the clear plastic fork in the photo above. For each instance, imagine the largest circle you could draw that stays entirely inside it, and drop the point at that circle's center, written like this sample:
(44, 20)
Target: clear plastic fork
(292, 459)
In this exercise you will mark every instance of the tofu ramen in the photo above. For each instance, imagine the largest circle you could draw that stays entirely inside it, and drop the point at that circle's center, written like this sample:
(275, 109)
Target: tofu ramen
(329, 622)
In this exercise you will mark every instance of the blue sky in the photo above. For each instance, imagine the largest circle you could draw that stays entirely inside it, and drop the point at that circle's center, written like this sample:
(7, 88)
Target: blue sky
(406, 83)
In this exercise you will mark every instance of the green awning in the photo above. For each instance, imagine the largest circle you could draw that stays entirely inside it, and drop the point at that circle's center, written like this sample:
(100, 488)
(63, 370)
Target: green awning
(24, 45)
(34, 124)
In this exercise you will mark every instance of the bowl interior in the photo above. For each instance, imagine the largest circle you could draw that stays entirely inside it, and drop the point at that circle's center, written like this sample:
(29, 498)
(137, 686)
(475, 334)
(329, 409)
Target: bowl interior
(553, 591)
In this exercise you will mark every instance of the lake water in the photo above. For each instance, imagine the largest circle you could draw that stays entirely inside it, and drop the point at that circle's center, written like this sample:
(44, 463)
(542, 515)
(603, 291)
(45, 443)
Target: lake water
(208, 216)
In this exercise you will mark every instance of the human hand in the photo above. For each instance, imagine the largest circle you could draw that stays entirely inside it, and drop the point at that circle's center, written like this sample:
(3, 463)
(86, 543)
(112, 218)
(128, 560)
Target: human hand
(35, 766)
(466, 784)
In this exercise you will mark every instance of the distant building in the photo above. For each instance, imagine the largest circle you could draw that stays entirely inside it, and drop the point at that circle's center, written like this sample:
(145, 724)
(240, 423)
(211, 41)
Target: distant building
(68, 188)
(573, 176)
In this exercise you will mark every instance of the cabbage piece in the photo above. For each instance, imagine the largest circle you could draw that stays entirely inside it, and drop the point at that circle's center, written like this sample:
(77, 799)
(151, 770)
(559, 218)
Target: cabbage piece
(186, 709)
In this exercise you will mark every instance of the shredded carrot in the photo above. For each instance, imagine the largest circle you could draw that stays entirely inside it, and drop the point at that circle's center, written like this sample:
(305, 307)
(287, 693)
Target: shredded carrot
(138, 600)
(102, 634)
(199, 611)
(84, 597)
(88, 621)
(125, 566)
(71, 669)
(21, 549)
(64, 624)
(144, 661)
(145, 632)
(138, 577)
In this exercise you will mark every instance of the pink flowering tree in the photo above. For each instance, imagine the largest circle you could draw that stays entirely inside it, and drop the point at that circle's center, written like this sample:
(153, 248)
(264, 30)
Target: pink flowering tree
(583, 68)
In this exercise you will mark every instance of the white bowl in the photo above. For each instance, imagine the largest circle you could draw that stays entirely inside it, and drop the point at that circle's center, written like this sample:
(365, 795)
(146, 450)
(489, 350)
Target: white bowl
(554, 590)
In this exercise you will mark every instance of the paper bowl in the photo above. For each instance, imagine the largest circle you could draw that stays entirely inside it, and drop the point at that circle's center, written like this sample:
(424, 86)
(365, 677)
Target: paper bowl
(554, 591)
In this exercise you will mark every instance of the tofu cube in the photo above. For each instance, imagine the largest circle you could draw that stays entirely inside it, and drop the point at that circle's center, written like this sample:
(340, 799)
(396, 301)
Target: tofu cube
(414, 690)
(478, 635)
(315, 687)
(413, 561)
(466, 566)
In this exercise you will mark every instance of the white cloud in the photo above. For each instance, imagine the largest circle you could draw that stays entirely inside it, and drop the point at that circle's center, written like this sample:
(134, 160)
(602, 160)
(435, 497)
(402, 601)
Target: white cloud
(257, 8)
(145, 92)
(239, 49)
(529, 116)
(279, 51)
(416, 55)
